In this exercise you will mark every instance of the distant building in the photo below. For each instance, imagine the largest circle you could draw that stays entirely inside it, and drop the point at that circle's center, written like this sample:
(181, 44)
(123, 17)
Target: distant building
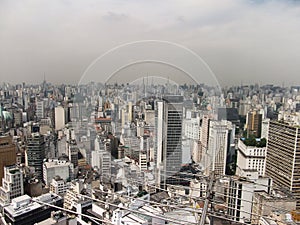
(59, 117)
(73, 154)
(40, 109)
(204, 135)
(35, 154)
(54, 167)
(58, 186)
(101, 160)
(265, 128)
(7, 153)
(143, 161)
(12, 184)
(254, 120)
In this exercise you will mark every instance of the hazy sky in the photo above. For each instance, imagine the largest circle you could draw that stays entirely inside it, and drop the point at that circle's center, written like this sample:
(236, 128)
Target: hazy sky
(242, 41)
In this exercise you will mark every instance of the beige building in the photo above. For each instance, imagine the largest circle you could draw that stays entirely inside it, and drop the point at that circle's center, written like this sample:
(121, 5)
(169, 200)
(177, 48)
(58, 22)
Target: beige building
(283, 157)
(264, 204)
(7, 153)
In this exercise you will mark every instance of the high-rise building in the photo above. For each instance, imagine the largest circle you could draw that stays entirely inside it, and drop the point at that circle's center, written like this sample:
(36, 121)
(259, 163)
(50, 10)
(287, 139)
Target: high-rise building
(283, 156)
(73, 154)
(265, 128)
(204, 134)
(40, 109)
(35, 154)
(7, 153)
(254, 120)
(169, 137)
(12, 184)
(220, 146)
(59, 118)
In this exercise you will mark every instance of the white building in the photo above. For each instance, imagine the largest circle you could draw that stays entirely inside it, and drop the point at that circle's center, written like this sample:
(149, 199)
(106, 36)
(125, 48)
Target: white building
(220, 143)
(12, 184)
(101, 160)
(265, 128)
(143, 161)
(58, 186)
(191, 128)
(76, 202)
(251, 158)
(40, 109)
(59, 118)
(241, 192)
(54, 167)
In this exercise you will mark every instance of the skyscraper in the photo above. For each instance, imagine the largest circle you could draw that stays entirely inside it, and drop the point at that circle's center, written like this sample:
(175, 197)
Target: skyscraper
(220, 145)
(169, 138)
(35, 154)
(254, 120)
(7, 153)
(283, 156)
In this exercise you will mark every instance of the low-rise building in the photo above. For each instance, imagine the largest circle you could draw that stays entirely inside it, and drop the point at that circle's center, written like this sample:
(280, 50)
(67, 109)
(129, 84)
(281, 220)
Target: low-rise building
(58, 186)
(251, 157)
(26, 210)
(264, 203)
(12, 184)
(54, 167)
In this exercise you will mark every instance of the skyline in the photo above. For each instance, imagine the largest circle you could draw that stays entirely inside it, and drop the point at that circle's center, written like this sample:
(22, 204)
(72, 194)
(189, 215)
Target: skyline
(242, 42)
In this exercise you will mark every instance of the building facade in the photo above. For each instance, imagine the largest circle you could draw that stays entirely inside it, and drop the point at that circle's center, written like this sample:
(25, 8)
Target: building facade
(7, 153)
(283, 157)
(169, 138)
(35, 154)
(12, 184)
(251, 157)
(53, 167)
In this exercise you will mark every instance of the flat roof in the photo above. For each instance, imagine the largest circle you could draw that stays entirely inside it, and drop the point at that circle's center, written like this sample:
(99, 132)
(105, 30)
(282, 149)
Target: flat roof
(22, 210)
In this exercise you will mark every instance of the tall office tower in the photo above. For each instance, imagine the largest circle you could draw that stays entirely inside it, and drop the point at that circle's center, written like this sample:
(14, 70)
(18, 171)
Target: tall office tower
(35, 154)
(7, 153)
(254, 120)
(40, 108)
(265, 128)
(283, 156)
(12, 184)
(73, 154)
(220, 145)
(59, 113)
(130, 111)
(204, 134)
(169, 138)
(158, 139)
